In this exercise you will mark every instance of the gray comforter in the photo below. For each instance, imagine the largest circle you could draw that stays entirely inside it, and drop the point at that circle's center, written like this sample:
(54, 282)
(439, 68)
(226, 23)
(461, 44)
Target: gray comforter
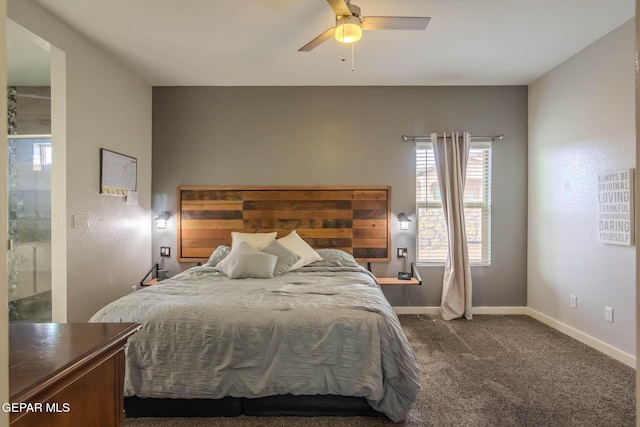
(317, 330)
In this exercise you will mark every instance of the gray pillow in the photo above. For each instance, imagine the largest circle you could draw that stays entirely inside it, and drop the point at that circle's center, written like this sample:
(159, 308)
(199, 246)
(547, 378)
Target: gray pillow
(218, 255)
(246, 262)
(286, 258)
(335, 258)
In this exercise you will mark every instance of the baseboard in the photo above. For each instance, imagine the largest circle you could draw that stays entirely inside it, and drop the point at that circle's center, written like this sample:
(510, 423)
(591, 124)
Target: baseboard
(476, 310)
(416, 310)
(584, 338)
(500, 310)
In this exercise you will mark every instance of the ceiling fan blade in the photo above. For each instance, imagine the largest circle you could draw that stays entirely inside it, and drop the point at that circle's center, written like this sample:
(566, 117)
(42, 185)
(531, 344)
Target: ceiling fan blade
(339, 7)
(395, 22)
(318, 40)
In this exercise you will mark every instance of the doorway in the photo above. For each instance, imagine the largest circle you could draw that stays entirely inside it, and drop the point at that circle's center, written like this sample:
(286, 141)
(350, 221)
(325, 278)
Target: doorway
(29, 178)
(29, 255)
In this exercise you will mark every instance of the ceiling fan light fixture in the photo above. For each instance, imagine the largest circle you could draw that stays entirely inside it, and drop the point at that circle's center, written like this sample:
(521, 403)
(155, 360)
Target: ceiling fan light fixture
(350, 23)
(348, 29)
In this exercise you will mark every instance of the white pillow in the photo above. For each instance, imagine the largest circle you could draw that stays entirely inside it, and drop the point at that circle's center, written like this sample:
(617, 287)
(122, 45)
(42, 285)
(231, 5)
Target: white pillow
(244, 262)
(256, 240)
(297, 245)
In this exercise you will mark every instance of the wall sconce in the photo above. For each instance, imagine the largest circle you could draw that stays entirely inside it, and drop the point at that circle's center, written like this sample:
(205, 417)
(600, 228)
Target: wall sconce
(162, 219)
(404, 221)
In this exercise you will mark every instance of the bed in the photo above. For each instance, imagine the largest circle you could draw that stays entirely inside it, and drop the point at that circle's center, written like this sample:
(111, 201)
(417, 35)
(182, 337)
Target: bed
(319, 339)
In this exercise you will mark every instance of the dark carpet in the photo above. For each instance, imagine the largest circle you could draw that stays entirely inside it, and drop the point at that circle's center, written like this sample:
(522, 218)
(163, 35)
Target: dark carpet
(491, 371)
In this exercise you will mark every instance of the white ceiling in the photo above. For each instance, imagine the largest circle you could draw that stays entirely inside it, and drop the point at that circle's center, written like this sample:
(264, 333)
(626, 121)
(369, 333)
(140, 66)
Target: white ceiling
(255, 42)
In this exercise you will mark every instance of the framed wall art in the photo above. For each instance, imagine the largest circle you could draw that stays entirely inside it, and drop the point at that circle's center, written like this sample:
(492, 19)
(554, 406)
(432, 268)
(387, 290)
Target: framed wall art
(118, 173)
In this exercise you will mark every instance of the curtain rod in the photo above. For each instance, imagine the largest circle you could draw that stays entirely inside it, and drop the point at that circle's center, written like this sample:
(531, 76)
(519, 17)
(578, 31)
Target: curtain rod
(473, 138)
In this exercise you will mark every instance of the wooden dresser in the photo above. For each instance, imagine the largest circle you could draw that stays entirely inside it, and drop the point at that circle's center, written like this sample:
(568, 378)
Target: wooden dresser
(67, 374)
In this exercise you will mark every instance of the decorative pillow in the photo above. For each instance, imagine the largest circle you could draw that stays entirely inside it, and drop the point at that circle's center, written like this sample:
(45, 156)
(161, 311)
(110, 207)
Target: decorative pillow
(245, 261)
(297, 245)
(335, 258)
(286, 258)
(256, 240)
(218, 255)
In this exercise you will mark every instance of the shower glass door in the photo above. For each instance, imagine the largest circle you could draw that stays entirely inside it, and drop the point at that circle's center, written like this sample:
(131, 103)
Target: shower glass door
(29, 228)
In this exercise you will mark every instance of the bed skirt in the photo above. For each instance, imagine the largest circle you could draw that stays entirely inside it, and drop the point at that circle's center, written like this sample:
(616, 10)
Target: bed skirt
(281, 405)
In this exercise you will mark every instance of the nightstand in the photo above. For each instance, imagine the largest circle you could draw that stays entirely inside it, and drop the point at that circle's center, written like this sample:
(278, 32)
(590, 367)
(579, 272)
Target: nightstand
(150, 282)
(415, 279)
(395, 281)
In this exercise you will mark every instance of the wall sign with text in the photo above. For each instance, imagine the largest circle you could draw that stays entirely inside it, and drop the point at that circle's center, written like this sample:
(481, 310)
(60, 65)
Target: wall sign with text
(615, 207)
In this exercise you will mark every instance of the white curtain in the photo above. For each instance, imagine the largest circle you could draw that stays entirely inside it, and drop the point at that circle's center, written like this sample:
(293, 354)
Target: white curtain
(451, 154)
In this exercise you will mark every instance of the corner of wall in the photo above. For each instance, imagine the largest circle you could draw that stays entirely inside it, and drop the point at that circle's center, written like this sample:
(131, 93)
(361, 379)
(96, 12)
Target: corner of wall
(4, 290)
(59, 186)
(637, 207)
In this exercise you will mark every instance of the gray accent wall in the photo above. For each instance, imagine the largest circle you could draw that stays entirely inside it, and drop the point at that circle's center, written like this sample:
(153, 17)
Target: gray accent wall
(346, 136)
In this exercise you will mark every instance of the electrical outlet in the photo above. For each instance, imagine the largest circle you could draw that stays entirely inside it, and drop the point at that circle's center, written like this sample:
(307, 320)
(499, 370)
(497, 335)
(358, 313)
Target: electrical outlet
(134, 288)
(165, 251)
(573, 301)
(608, 314)
(402, 252)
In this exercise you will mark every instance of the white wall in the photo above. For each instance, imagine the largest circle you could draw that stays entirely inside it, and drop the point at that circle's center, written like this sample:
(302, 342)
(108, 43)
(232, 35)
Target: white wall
(581, 124)
(107, 106)
(637, 203)
(4, 287)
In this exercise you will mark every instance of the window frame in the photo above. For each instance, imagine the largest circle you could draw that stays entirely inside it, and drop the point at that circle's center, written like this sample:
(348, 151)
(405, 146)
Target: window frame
(485, 205)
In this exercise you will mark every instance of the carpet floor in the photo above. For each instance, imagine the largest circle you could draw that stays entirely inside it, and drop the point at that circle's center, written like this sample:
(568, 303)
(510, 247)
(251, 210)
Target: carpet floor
(491, 371)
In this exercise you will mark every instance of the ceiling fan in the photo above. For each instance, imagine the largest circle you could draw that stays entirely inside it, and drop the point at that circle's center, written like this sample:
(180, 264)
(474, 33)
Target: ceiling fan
(350, 24)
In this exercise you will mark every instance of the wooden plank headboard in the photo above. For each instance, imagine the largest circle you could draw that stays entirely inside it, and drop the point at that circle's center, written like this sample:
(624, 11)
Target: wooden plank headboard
(354, 219)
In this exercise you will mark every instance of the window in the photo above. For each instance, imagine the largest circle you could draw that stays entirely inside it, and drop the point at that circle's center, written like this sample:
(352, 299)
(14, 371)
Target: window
(432, 230)
(41, 155)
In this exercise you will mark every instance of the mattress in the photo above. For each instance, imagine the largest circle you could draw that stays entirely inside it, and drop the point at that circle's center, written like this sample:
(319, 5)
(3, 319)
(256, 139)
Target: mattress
(324, 329)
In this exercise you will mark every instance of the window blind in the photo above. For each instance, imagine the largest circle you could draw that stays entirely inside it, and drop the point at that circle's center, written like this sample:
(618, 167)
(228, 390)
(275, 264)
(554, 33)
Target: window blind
(432, 241)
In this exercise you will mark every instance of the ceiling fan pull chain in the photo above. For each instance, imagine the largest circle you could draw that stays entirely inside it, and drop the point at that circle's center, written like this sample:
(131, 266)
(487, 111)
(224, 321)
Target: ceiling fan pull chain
(353, 60)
